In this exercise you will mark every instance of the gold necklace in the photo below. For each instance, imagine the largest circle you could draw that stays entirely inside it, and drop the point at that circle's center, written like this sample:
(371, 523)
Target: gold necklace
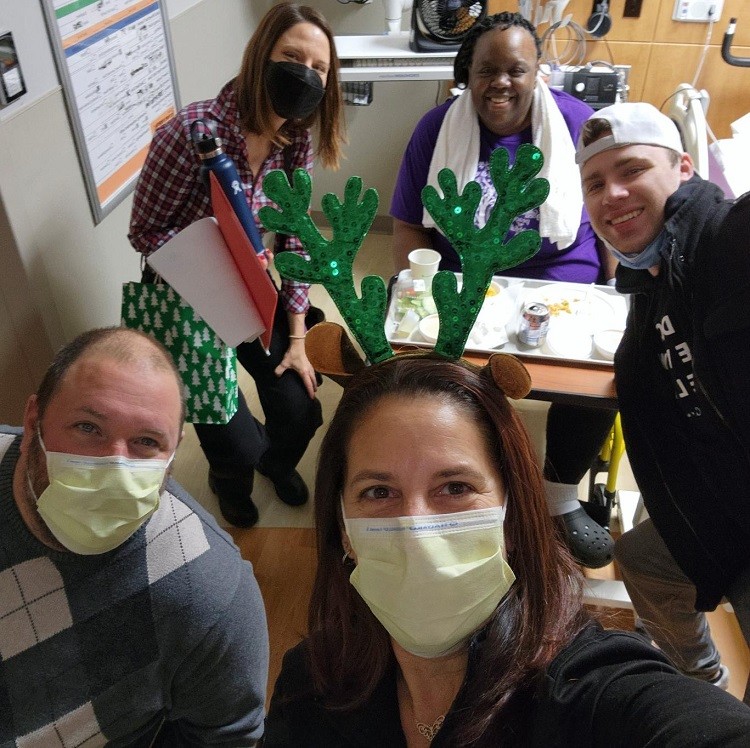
(426, 731)
(430, 731)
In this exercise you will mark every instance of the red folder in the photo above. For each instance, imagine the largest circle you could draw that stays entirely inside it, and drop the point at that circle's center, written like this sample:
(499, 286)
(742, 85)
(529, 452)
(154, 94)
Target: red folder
(257, 281)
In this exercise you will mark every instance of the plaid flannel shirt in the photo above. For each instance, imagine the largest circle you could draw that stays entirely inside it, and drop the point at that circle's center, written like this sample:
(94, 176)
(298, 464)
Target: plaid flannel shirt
(171, 195)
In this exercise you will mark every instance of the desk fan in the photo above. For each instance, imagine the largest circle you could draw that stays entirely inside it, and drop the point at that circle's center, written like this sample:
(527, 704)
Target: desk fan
(441, 25)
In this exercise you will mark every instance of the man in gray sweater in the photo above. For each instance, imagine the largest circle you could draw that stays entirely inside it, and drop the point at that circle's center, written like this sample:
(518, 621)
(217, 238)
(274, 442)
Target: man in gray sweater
(125, 611)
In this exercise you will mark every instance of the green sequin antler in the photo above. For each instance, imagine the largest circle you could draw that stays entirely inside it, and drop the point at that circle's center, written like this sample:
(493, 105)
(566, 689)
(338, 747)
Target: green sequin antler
(482, 251)
(331, 262)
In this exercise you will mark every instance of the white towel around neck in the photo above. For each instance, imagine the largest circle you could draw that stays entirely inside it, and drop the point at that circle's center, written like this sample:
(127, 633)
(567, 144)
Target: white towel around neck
(560, 214)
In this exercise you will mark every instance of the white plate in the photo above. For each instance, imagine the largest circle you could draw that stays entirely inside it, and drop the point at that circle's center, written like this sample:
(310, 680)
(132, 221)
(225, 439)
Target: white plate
(577, 301)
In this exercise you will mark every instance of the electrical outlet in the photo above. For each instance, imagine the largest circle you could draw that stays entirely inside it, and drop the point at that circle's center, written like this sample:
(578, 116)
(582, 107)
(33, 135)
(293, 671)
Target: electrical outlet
(697, 11)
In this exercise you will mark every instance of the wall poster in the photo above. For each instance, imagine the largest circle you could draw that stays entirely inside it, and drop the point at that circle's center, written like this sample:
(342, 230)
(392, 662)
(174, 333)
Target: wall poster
(116, 67)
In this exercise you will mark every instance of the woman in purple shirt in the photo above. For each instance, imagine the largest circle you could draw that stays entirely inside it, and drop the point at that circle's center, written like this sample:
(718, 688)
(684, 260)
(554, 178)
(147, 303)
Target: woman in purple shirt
(498, 64)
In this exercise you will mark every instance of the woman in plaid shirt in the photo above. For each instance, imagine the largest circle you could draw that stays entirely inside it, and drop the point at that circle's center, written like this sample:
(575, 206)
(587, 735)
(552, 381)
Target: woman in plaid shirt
(288, 82)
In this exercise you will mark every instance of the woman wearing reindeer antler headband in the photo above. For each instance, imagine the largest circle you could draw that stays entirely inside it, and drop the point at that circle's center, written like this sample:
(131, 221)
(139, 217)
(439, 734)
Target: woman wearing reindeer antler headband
(506, 104)
(444, 610)
(287, 83)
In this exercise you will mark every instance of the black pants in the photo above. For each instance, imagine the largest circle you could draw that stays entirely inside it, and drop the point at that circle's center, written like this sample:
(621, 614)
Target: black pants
(234, 449)
(575, 435)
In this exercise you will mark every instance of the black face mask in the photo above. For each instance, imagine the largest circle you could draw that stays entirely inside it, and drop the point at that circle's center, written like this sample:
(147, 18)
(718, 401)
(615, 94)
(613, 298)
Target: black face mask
(294, 89)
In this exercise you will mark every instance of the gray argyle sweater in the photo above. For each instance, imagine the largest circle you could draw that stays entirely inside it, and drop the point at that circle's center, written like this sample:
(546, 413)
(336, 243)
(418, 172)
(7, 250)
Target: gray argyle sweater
(98, 650)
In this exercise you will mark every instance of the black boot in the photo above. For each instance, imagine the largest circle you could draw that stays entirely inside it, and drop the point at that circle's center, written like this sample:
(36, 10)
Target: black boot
(235, 502)
(288, 484)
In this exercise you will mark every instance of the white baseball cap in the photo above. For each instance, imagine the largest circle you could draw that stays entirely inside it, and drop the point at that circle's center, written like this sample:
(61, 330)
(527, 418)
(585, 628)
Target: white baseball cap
(632, 124)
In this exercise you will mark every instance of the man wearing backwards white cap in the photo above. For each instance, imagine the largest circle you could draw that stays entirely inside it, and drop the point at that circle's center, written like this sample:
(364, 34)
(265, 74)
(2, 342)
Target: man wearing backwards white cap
(682, 373)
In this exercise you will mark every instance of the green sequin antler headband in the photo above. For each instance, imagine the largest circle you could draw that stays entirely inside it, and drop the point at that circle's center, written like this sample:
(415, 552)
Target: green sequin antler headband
(481, 251)
(331, 261)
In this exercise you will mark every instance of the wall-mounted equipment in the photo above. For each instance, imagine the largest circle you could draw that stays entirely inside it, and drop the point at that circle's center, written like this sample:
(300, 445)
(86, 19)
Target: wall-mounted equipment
(387, 57)
(632, 9)
(600, 22)
(726, 47)
(597, 89)
(598, 83)
(687, 110)
(394, 9)
(440, 25)
(697, 11)
(11, 79)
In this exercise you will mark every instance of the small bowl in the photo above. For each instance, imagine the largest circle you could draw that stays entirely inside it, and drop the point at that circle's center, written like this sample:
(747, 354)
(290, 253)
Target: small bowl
(606, 343)
(429, 327)
(568, 340)
(493, 291)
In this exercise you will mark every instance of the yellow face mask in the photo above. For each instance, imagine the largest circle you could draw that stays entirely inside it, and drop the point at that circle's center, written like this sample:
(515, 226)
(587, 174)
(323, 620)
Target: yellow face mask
(432, 581)
(94, 504)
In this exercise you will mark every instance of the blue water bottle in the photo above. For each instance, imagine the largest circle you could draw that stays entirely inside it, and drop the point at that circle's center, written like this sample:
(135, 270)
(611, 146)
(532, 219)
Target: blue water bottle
(213, 159)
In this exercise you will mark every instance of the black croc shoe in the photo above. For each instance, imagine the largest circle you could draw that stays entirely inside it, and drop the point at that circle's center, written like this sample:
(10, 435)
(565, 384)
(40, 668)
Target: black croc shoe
(235, 503)
(289, 487)
(591, 545)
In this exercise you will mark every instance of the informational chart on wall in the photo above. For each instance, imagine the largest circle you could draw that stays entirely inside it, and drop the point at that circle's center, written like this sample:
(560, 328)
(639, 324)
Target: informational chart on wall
(116, 67)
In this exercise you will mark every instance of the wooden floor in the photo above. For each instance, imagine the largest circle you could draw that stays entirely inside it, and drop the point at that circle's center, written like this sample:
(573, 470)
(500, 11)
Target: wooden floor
(284, 563)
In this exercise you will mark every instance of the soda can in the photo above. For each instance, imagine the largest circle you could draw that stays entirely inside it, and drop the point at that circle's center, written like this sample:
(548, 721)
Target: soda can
(532, 328)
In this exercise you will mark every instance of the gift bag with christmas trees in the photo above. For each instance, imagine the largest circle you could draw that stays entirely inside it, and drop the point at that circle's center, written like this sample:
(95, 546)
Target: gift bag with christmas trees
(208, 367)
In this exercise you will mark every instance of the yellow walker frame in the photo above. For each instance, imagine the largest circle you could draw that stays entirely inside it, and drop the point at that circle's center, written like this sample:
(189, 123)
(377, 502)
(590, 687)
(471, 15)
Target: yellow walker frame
(602, 495)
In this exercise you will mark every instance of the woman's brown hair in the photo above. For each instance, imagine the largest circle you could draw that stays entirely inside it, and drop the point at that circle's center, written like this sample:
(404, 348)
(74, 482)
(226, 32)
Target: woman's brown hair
(253, 100)
(349, 649)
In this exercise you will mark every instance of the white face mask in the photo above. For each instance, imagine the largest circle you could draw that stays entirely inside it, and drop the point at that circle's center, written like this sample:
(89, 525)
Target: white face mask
(94, 504)
(432, 581)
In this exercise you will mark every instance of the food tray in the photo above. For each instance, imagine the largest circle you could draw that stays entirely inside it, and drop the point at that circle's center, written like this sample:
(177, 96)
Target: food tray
(577, 311)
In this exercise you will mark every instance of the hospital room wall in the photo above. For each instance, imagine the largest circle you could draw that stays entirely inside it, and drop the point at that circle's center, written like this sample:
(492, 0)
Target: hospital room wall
(664, 53)
(61, 274)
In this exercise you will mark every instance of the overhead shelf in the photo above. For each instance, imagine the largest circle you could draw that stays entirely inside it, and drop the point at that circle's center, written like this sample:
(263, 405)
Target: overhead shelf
(387, 57)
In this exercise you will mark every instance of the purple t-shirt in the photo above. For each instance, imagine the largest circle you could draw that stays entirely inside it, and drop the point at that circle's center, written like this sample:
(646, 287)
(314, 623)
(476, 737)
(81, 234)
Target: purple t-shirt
(578, 263)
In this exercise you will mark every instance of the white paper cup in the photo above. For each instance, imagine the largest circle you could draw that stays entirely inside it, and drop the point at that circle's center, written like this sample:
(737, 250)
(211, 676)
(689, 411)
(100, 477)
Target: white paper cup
(423, 263)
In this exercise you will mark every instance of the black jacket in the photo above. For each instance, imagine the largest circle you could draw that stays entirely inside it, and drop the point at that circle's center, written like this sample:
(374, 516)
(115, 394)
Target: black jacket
(607, 688)
(683, 385)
